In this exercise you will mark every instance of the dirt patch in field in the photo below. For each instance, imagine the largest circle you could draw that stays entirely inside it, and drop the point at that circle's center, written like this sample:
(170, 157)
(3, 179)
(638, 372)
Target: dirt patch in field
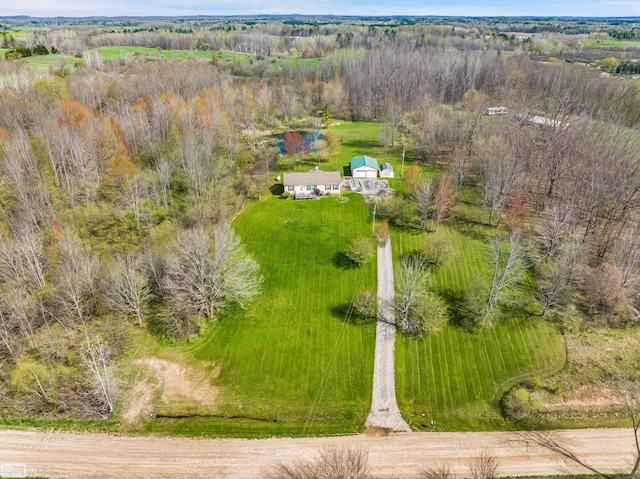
(588, 397)
(172, 388)
(139, 401)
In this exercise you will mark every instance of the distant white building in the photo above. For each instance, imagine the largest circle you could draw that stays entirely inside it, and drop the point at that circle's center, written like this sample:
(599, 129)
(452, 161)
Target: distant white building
(496, 110)
(557, 124)
(542, 121)
(386, 170)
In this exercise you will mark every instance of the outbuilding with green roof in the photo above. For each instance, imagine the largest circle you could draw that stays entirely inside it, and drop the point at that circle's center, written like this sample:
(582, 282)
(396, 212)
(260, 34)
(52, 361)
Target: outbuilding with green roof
(364, 166)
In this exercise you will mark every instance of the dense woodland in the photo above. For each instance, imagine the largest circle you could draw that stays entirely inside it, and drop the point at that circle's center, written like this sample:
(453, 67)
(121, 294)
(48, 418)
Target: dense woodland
(118, 178)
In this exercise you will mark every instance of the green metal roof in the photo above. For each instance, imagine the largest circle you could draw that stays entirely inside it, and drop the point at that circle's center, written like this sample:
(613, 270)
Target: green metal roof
(363, 160)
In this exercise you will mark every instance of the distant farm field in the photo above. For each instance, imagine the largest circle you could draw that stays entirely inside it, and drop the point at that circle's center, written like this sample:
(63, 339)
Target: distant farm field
(48, 61)
(42, 61)
(109, 53)
(595, 43)
(223, 57)
(291, 364)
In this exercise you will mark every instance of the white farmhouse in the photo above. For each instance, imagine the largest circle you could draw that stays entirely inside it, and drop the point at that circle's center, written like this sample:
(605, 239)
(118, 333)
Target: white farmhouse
(311, 184)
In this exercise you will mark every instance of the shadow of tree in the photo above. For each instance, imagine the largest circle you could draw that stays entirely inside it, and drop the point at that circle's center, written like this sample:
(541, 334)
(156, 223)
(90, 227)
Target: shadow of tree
(347, 315)
(472, 230)
(460, 315)
(341, 260)
(361, 144)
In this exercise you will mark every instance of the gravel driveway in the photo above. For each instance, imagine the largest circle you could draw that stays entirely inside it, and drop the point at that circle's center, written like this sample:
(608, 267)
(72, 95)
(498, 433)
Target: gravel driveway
(384, 407)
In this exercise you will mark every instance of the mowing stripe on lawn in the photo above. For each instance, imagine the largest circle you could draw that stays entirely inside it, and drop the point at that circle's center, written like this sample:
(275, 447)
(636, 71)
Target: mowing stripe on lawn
(332, 359)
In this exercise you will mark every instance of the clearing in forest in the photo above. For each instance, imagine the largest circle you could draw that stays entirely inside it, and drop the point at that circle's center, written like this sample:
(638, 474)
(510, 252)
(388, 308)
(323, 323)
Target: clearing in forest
(291, 363)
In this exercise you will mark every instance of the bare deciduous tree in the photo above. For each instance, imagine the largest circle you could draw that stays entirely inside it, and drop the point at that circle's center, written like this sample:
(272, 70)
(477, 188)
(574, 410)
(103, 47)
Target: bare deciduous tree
(418, 310)
(444, 200)
(423, 194)
(164, 170)
(411, 283)
(96, 357)
(508, 261)
(134, 193)
(210, 270)
(559, 274)
(500, 175)
(74, 279)
(626, 257)
(604, 286)
(127, 289)
(556, 223)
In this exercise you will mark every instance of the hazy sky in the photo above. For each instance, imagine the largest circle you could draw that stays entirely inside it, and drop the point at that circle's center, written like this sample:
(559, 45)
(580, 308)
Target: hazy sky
(51, 8)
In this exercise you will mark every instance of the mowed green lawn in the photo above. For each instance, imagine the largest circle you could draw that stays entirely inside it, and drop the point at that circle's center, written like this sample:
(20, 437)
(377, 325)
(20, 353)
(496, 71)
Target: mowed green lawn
(365, 138)
(457, 376)
(291, 363)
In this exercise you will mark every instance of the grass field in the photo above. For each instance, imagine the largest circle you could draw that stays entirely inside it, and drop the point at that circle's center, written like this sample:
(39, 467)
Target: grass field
(595, 43)
(42, 61)
(457, 377)
(364, 138)
(48, 61)
(109, 53)
(224, 57)
(291, 357)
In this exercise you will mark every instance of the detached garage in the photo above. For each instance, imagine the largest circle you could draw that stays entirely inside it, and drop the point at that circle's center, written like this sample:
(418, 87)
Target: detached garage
(364, 166)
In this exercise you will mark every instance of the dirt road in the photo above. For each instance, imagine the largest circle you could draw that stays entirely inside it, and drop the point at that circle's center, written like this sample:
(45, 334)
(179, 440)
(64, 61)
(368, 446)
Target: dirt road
(384, 407)
(79, 456)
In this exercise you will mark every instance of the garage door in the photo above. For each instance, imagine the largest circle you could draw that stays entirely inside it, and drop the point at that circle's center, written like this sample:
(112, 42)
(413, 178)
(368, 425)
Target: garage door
(365, 173)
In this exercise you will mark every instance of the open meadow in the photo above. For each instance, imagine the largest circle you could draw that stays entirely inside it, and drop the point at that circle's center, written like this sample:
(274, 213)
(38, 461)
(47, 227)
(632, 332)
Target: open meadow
(293, 363)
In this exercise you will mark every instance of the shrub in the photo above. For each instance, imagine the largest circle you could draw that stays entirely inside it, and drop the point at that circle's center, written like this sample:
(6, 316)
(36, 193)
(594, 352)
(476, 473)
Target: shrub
(365, 304)
(520, 402)
(360, 250)
(284, 195)
(436, 249)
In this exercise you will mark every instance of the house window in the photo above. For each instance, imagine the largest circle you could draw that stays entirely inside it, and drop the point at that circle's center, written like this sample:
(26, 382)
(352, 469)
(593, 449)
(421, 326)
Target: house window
(309, 187)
